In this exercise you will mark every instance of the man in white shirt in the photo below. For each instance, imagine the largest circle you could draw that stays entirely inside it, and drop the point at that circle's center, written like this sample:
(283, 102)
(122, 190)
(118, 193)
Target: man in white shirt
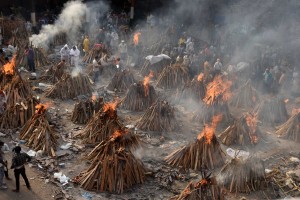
(96, 69)
(218, 67)
(74, 53)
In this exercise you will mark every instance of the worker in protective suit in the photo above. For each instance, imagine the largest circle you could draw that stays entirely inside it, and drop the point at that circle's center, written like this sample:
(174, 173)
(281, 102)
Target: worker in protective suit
(64, 53)
(74, 53)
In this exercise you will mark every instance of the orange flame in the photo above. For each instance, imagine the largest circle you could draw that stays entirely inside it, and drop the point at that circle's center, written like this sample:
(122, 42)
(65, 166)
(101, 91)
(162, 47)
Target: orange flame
(9, 68)
(200, 77)
(146, 82)
(219, 86)
(251, 121)
(203, 182)
(117, 133)
(41, 108)
(111, 106)
(209, 130)
(136, 38)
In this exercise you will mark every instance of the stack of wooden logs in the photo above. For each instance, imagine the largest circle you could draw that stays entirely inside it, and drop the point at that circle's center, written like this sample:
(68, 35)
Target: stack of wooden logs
(85, 110)
(194, 89)
(158, 117)
(13, 29)
(59, 39)
(139, 97)
(54, 73)
(173, 76)
(69, 87)
(272, 111)
(121, 81)
(102, 125)
(40, 58)
(246, 97)
(157, 68)
(242, 176)
(113, 166)
(97, 50)
(291, 128)
(39, 135)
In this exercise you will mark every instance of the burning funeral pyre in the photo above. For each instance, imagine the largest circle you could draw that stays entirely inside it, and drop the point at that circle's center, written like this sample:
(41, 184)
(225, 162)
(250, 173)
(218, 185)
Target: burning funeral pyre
(245, 97)
(159, 116)
(272, 111)
(140, 96)
(85, 110)
(215, 101)
(69, 87)
(121, 81)
(204, 153)
(242, 176)
(194, 89)
(37, 132)
(40, 58)
(97, 50)
(156, 68)
(20, 103)
(242, 132)
(291, 129)
(102, 125)
(173, 76)
(205, 189)
(54, 73)
(113, 166)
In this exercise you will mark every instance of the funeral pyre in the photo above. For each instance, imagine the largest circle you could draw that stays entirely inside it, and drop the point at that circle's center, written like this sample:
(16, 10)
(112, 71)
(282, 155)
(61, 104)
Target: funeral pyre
(39, 134)
(121, 81)
(102, 125)
(290, 130)
(20, 103)
(85, 110)
(97, 50)
(242, 175)
(54, 73)
(159, 116)
(194, 89)
(205, 152)
(113, 166)
(140, 96)
(156, 68)
(243, 131)
(40, 58)
(69, 87)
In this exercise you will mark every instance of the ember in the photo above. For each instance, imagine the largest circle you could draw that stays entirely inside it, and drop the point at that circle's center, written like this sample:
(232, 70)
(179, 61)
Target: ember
(208, 131)
(9, 68)
(147, 83)
(136, 38)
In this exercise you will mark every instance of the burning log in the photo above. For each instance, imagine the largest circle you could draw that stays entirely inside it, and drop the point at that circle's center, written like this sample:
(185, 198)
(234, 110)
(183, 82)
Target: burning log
(85, 110)
(121, 81)
(54, 73)
(173, 76)
(242, 176)
(158, 117)
(272, 111)
(245, 97)
(114, 168)
(8, 72)
(97, 50)
(69, 87)
(102, 125)
(40, 58)
(242, 132)
(39, 134)
(291, 128)
(195, 89)
(205, 152)
(139, 97)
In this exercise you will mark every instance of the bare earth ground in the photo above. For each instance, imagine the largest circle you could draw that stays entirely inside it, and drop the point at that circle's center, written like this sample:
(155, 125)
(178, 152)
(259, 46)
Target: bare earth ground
(156, 148)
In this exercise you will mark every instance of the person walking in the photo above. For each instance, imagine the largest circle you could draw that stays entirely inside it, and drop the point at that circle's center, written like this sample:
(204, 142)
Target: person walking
(30, 58)
(18, 164)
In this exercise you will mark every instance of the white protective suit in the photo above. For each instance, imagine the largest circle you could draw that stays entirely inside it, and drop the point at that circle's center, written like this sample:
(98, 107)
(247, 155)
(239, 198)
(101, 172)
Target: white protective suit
(64, 53)
(74, 56)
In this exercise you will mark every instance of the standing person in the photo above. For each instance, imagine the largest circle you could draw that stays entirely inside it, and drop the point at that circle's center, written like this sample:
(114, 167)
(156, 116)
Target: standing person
(96, 69)
(268, 80)
(18, 164)
(30, 58)
(4, 148)
(2, 164)
(86, 44)
(123, 51)
(217, 67)
(74, 53)
(64, 53)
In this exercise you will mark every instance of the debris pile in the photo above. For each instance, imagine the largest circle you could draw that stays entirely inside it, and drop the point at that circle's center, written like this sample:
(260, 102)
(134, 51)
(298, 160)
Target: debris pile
(54, 73)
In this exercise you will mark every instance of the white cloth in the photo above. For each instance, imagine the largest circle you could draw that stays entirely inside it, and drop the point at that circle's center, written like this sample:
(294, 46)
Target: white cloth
(95, 65)
(156, 59)
(64, 53)
(74, 56)
(218, 66)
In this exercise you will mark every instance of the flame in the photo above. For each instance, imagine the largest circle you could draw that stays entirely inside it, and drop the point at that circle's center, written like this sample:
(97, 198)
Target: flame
(251, 120)
(9, 68)
(216, 88)
(209, 130)
(41, 108)
(286, 100)
(136, 38)
(146, 83)
(117, 133)
(203, 182)
(200, 77)
(111, 106)
(295, 111)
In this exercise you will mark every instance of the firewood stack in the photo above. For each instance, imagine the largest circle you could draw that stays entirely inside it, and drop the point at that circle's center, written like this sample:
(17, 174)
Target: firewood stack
(54, 73)
(158, 117)
(59, 39)
(113, 166)
(139, 97)
(39, 135)
(245, 97)
(242, 176)
(121, 81)
(102, 125)
(291, 129)
(13, 29)
(242, 132)
(97, 50)
(194, 89)
(69, 87)
(204, 153)
(173, 76)
(157, 68)
(85, 110)
(40, 58)
(272, 111)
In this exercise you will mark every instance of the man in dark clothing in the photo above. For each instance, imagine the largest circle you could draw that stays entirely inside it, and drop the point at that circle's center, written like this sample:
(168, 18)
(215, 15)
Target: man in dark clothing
(30, 58)
(18, 162)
